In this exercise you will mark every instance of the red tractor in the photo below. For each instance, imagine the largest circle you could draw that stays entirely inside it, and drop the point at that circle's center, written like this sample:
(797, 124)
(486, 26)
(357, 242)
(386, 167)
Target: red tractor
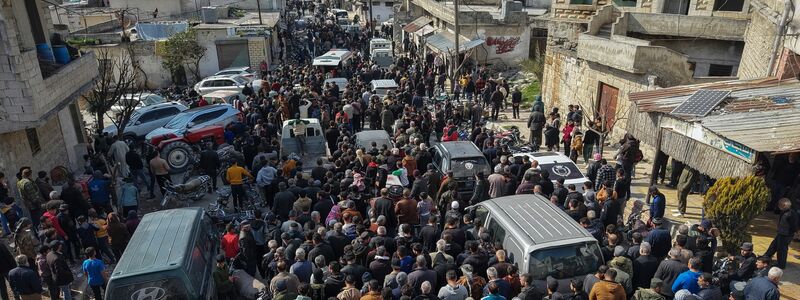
(182, 151)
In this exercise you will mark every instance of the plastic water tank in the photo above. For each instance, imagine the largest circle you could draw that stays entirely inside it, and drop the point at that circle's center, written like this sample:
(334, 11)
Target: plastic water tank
(61, 54)
(209, 14)
(44, 52)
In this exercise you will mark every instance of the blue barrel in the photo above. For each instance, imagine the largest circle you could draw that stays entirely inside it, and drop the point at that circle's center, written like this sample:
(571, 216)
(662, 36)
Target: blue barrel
(62, 54)
(44, 52)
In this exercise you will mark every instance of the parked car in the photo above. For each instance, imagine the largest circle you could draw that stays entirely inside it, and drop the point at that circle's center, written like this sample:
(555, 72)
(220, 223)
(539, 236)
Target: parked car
(542, 239)
(223, 97)
(338, 81)
(190, 127)
(143, 99)
(558, 165)
(220, 83)
(146, 119)
(382, 87)
(315, 146)
(339, 13)
(464, 159)
(245, 72)
(366, 137)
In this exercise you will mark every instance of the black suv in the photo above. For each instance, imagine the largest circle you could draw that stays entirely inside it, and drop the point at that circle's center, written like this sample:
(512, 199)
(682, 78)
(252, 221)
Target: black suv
(465, 160)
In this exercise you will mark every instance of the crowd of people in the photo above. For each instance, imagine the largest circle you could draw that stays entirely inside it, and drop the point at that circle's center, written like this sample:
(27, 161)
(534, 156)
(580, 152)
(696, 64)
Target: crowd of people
(339, 232)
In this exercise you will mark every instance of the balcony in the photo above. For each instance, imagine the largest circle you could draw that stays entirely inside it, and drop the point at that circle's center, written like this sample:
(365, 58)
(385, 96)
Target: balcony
(474, 14)
(703, 27)
(32, 99)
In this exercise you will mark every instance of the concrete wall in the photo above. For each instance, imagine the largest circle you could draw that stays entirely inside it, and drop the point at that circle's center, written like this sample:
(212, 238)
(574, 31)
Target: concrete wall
(706, 52)
(758, 41)
(258, 47)
(270, 5)
(690, 26)
(380, 11)
(569, 80)
(165, 8)
(506, 44)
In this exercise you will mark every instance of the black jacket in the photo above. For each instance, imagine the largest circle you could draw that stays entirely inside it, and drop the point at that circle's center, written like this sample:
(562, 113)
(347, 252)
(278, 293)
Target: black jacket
(209, 160)
(283, 203)
(668, 270)
(644, 267)
(25, 281)
(6, 260)
(323, 249)
(385, 207)
(747, 265)
(62, 275)
(787, 225)
(420, 275)
(480, 193)
(530, 293)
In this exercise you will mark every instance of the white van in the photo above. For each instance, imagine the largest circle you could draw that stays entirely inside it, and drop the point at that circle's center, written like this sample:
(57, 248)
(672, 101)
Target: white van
(333, 59)
(382, 87)
(379, 43)
(541, 239)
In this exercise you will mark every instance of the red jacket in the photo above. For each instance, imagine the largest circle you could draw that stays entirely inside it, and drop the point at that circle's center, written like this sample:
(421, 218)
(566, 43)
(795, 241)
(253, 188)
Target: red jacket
(230, 244)
(54, 220)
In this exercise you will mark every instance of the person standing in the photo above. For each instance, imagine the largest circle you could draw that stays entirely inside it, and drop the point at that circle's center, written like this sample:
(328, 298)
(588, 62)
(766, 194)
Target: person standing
(24, 281)
(657, 204)
(160, 170)
(136, 166)
(787, 226)
(590, 139)
(516, 100)
(62, 274)
(95, 270)
(497, 103)
(99, 192)
(536, 124)
(223, 280)
(685, 184)
(209, 161)
(566, 137)
(129, 196)
(30, 196)
(235, 176)
(118, 150)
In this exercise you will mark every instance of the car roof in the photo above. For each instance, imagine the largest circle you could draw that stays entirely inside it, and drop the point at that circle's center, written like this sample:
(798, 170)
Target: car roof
(310, 121)
(371, 135)
(222, 93)
(546, 157)
(459, 149)
(231, 76)
(534, 220)
(233, 69)
(383, 83)
(139, 95)
(207, 107)
(161, 242)
(161, 105)
(337, 79)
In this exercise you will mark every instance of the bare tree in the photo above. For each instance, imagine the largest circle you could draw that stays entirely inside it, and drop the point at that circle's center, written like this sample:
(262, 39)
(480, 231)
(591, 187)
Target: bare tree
(116, 79)
(603, 125)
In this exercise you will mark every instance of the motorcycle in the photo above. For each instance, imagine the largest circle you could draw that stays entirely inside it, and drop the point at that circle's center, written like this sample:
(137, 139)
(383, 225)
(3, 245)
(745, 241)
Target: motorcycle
(227, 154)
(186, 193)
(634, 222)
(510, 137)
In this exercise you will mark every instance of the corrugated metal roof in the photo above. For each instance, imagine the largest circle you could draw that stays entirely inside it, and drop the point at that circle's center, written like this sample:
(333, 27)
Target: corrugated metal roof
(425, 30)
(416, 24)
(763, 114)
(444, 42)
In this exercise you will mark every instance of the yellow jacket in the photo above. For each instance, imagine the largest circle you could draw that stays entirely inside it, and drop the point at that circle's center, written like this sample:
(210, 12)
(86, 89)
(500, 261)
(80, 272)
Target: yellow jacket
(235, 174)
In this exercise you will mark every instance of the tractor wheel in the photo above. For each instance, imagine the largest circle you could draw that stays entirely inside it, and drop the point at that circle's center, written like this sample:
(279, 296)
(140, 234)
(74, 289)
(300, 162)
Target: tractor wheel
(178, 155)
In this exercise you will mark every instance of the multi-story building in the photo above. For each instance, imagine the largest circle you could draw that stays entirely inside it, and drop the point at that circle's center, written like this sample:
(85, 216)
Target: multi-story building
(600, 51)
(40, 124)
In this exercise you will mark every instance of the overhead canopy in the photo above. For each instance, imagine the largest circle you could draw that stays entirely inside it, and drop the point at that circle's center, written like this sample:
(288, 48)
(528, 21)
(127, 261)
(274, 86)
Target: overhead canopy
(159, 31)
(444, 42)
(416, 24)
(425, 30)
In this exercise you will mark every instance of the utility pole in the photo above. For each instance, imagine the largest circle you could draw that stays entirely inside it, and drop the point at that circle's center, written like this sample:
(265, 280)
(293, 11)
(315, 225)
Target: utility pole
(371, 26)
(258, 6)
(457, 41)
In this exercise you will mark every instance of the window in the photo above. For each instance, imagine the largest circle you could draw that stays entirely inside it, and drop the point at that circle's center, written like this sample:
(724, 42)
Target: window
(581, 2)
(437, 157)
(33, 140)
(207, 117)
(566, 261)
(389, 4)
(720, 70)
(226, 83)
(148, 116)
(497, 232)
(481, 213)
(729, 5)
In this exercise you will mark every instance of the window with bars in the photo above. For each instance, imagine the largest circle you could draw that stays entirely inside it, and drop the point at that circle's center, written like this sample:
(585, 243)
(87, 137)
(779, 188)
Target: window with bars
(33, 140)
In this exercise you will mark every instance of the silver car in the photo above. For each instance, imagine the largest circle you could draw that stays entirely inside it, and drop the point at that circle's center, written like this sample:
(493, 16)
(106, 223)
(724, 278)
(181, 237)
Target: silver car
(198, 117)
(245, 72)
(220, 83)
(146, 119)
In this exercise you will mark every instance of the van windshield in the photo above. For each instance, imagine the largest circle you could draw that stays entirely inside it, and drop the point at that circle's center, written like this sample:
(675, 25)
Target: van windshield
(566, 261)
(164, 289)
(468, 167)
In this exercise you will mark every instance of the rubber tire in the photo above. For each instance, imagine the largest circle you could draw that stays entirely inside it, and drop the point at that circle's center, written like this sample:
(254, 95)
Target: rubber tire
(178, 148)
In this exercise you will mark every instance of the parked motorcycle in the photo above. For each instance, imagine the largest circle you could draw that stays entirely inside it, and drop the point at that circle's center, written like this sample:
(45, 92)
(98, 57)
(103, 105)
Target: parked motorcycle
(184, 194)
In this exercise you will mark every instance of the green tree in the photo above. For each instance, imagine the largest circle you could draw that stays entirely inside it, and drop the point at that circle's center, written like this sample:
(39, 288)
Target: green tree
(732, 203)
(182, 51)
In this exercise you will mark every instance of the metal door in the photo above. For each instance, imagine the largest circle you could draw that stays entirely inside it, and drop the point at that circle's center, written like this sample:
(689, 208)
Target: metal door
(607, 106)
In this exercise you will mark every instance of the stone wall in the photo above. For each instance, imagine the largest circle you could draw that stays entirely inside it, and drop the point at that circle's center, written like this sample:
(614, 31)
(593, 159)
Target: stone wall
(17, 152)
(758, 41)
(569, 80)
(257, 48)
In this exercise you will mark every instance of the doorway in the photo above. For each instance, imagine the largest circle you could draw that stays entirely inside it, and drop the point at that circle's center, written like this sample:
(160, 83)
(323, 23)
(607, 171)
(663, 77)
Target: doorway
(607, 106)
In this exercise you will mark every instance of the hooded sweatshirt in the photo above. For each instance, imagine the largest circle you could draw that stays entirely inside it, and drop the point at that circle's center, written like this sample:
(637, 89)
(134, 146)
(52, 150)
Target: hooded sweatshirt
(448, 292)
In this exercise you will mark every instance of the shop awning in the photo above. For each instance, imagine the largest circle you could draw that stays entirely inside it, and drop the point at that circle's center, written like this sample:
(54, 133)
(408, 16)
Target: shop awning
(444, 42)
(416, 24)
(427, 29)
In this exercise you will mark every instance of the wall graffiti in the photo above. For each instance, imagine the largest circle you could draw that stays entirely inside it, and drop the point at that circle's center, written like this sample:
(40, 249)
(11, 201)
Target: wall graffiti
(504, 44)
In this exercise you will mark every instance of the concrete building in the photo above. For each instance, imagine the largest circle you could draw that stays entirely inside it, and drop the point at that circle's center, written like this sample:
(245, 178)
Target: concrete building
(145, 9)
(266, 5)
(40, 125)
(493, 32)
(382, 10)
(238, 42)
(599, 52)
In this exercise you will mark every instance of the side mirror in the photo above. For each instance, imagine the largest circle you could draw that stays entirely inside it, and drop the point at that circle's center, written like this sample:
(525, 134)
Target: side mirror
(190, 125)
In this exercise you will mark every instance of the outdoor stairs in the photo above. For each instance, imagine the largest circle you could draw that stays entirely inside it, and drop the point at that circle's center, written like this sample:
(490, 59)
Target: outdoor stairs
(605, 31)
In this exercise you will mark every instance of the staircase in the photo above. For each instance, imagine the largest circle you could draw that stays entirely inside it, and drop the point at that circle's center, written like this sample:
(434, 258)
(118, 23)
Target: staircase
(605, 31)
(602, 21)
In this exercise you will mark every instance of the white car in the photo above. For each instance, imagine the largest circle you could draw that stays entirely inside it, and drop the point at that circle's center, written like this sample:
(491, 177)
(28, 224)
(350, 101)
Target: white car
(146, 119)
(245, 72)
(220, 83)
(558, 165)
(141, 99)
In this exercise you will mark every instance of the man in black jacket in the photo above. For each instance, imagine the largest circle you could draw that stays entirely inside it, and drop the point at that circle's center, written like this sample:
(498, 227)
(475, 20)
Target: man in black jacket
(321, 248)
(528, 291)
(787, 226)
(62, 275)
(23, 279)
(536, 124)
(6, 264)
(644, 267)
(209, 161)
(669, 269)
(134, 161)
(747, 263)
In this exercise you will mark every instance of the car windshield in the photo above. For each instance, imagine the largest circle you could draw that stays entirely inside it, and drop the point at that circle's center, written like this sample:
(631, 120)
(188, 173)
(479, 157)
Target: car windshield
(179, 121)
(467, 167)
(240, 80)
(567, 170)
(164, 289)
(152, 100)
(566, 261)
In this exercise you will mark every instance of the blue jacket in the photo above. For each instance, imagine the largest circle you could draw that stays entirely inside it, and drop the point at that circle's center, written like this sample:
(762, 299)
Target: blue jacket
(687, 280)
(761, 288)
(657, 206)
(661, 241)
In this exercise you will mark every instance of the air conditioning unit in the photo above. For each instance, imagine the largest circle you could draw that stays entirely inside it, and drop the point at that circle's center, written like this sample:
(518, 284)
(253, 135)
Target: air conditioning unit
(209, 14)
